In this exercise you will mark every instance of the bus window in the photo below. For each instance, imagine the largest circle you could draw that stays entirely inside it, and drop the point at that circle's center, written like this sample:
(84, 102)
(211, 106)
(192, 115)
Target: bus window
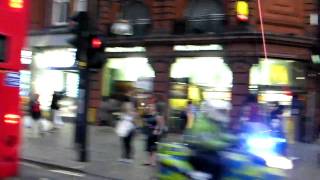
(2, 48)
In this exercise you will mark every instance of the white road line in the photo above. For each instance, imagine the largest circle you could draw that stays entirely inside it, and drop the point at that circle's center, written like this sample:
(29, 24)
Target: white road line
(67, 173)
(31, 165)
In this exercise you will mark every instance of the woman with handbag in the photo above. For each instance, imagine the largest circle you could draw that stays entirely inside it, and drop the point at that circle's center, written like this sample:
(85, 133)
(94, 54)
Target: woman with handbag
(125, 130)
(154, 123)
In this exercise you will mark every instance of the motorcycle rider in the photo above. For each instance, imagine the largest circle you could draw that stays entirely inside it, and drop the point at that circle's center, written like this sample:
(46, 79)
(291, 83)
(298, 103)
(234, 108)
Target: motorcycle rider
(208, 153)
(206, 140)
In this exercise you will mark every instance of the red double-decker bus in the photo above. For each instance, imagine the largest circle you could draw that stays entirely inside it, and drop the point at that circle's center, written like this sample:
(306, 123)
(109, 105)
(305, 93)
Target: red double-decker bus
(13, 27)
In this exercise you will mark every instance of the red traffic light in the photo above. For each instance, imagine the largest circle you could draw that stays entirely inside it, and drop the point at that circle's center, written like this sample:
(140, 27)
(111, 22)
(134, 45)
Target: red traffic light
(96, 43)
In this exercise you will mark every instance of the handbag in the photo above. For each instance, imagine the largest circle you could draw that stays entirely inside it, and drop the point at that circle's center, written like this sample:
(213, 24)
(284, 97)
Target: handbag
(123, 128)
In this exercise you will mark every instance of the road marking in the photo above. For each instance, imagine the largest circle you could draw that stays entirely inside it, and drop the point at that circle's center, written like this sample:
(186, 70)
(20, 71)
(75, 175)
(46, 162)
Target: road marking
(67, 173)
(31, 165)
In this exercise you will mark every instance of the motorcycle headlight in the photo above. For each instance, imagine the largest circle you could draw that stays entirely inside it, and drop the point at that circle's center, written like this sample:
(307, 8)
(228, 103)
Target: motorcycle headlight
(261, 143)
(279, 162)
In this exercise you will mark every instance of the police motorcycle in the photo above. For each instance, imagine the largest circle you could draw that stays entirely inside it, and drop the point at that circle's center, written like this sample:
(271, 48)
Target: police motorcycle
(209, 153)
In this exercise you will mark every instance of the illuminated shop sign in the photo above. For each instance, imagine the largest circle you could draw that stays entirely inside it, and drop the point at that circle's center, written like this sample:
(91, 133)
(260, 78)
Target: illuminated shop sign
(212, 47)
(57, 58)
(125, 49)
(271, 72)
(279, 74)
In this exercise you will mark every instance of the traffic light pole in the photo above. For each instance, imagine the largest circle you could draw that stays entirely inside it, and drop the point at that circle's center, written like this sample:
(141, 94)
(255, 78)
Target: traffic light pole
(81, 123)
(90, 54)
(80, 28)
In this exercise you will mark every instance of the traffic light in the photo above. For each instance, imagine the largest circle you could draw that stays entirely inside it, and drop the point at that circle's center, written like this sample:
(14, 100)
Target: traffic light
(242, 10)
(95, 52)
(80, 29)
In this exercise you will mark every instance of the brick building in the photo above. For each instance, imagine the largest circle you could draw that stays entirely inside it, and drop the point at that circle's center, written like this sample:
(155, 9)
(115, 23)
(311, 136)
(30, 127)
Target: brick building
(160, 26)
(47, 54)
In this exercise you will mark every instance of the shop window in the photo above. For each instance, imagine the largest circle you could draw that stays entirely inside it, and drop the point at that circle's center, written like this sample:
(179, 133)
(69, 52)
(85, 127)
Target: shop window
(212, 77)
(275, 79)
(198, 79)
(272, 72)
(121, 74)
(205, 16)
(138, 15)
(60, 11)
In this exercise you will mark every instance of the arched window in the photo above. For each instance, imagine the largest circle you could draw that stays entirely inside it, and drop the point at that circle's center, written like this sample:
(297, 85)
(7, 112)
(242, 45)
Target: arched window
(205, 16)
(138, 15)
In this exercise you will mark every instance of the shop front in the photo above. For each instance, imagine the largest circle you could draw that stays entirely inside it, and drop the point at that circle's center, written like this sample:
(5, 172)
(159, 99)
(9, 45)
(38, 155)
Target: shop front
(198, 78)
(277, 81)
(124, 75)
(25, 79)
(54, 69)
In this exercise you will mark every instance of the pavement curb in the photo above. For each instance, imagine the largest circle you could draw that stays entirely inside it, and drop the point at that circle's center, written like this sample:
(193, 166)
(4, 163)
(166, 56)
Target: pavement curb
(53, 165)
(59, 167)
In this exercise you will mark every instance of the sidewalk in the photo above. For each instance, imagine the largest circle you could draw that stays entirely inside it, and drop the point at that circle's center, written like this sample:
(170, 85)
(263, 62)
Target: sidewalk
(307, 166)
(104, 150)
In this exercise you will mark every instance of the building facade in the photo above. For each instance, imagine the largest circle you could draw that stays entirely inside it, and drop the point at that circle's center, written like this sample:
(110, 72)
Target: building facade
(169, 34)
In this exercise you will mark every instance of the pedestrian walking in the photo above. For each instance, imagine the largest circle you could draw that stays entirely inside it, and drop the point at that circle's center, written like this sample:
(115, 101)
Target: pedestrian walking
(35, 113)
(276, 120)
(297, 114)
(126, 129)
(154, 123)
(55, 110)
(254, 111)
(250, 112)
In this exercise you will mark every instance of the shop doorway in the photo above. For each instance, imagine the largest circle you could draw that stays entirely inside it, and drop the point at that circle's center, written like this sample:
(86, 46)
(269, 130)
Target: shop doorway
(198, 79)
(123, 77)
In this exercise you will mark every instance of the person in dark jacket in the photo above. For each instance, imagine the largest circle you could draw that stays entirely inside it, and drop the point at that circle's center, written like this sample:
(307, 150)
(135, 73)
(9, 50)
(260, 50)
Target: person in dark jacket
(35, 113)
(35, 107)
(297, 113)
(55, 107)
(154, 124)
(55, 99)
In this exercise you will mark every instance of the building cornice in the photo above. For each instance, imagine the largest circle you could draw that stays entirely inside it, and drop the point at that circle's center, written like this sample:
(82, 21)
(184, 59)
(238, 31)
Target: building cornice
(226, 38)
